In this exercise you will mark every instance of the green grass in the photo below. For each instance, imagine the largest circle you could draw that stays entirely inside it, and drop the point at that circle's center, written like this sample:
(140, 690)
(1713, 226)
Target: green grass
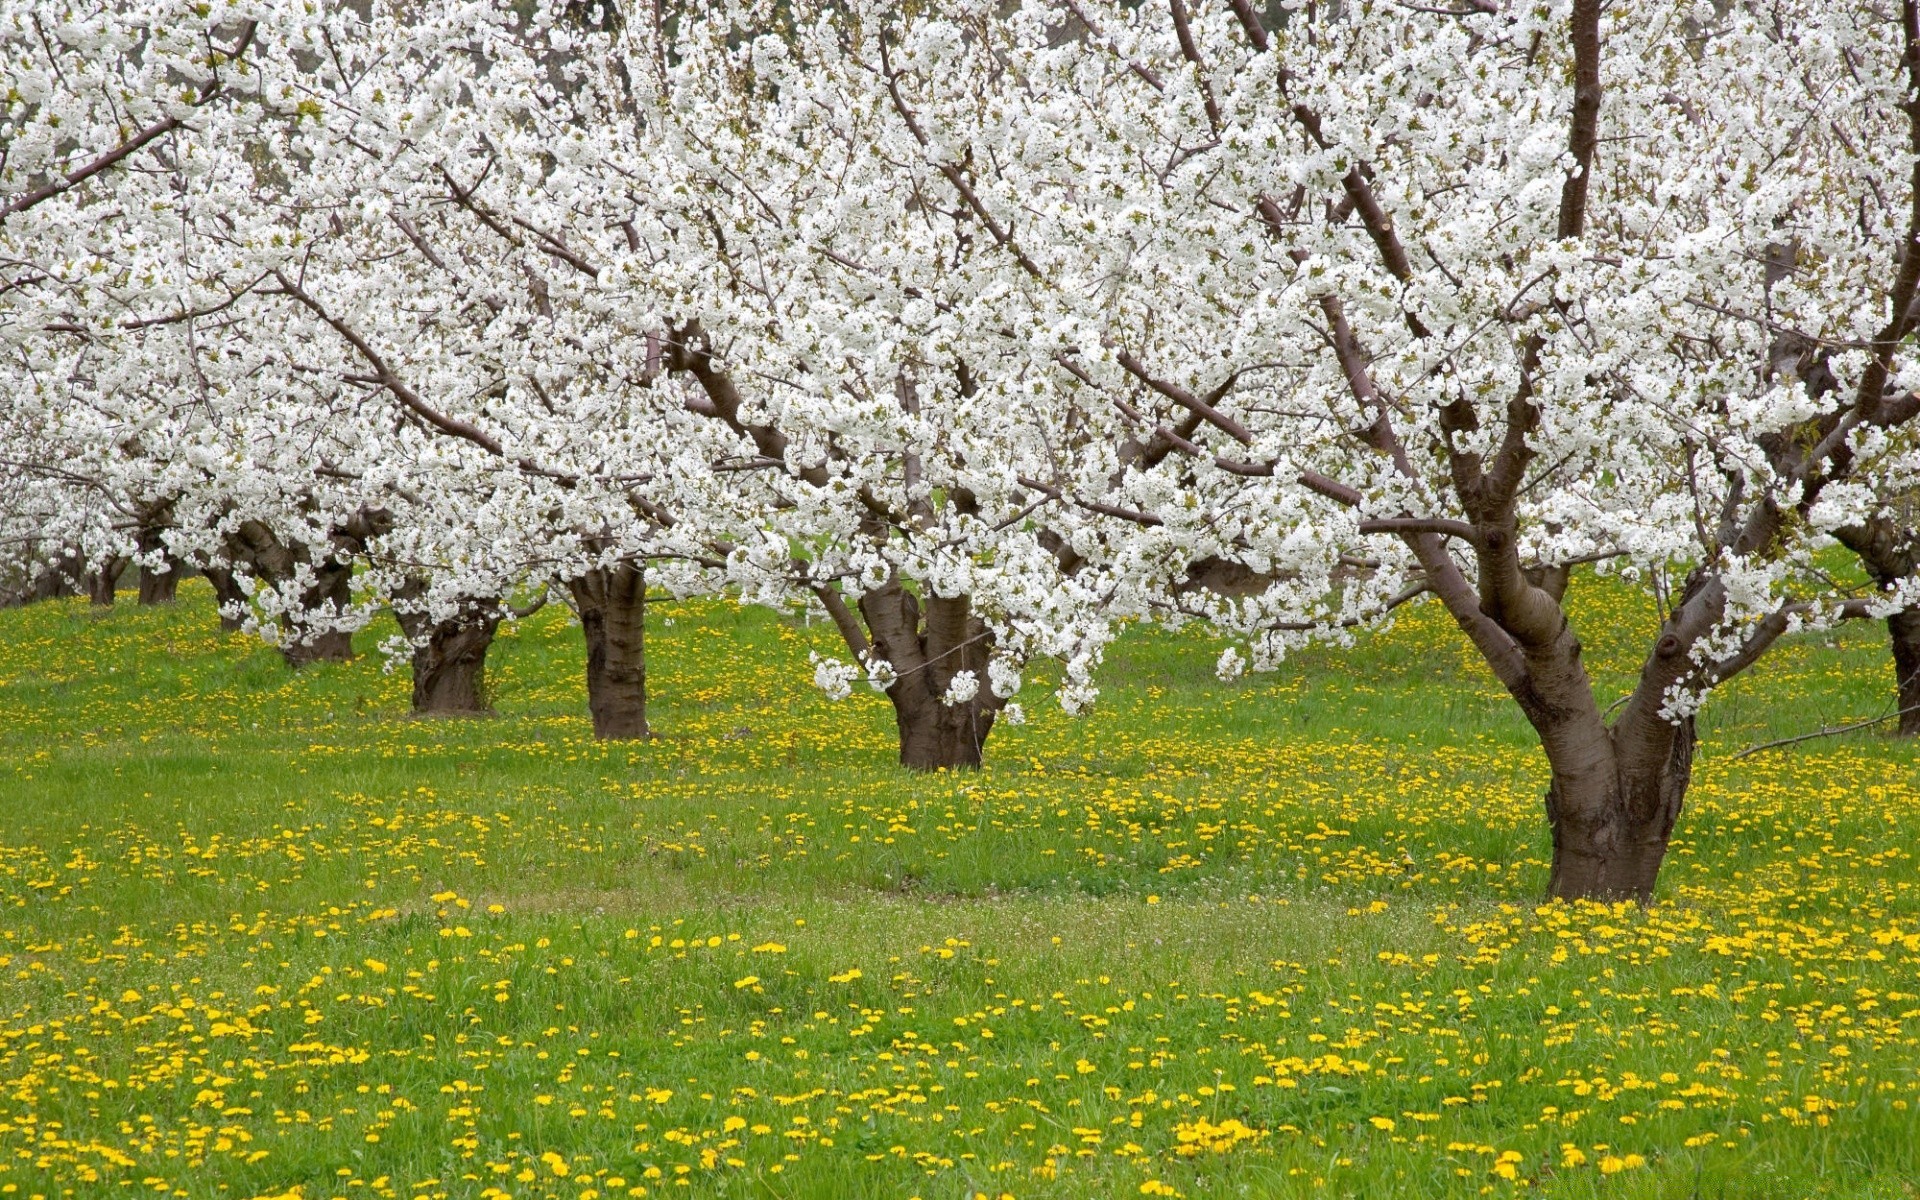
(261, 934)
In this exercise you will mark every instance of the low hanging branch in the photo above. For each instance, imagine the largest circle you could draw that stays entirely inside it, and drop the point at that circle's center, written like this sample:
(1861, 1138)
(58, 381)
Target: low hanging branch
(1829, 731)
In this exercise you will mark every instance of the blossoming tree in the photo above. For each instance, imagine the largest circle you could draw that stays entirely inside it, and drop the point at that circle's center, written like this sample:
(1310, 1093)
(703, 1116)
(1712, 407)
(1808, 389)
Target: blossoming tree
(1451, 299)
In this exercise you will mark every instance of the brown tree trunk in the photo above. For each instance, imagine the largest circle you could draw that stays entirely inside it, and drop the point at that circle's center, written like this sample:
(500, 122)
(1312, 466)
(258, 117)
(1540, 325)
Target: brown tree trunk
(1612, 823)
(1890, 551)
(227, 594)
(1903, 629)
(158, 587)
(612, 602)
(102, 583)
(926, 650)
(256, 545)
(54, 582)
(333, 585)
(449, 657)
(1614, 793)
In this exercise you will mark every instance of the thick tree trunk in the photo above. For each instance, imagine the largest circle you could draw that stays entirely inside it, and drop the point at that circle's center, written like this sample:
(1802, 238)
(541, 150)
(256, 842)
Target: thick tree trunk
(331, 592)
(926, 652)
(1903, 628)
(102, 584)
(450, 671)
(158, 588)
(612, 603)
(227, 594)
(333, 586)
(1612, 822)
(54, 582)
(449, 657)
(1614, 792)
(934, 736)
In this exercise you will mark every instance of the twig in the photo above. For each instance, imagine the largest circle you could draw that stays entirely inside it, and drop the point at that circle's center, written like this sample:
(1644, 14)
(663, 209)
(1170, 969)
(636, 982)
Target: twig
(1831, 731)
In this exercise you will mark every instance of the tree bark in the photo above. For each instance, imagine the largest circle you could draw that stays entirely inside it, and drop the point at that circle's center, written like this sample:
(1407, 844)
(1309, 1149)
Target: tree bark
(102, 583)
(926, 650)
(612, 603)
(1903, 629)
(449, 657)
(54, 580)
(1890, 551)
(333, 586)
(1612, 823)
(158, 587)
(1614, 793)
(257, 546)
(227, 594)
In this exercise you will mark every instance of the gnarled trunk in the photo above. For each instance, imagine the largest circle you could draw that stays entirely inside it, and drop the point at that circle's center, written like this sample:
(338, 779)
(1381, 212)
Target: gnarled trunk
(103, 582)
(612, 603)
(926, 651)
(333, 586)
(449, 657)
(1903, 629)
(257, 546)
(228, 595)
(1612, 822)
(1614, 792)
(158, 587)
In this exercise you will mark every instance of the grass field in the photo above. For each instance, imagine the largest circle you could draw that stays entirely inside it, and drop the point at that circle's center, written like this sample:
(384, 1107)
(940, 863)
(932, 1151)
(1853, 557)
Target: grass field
(262, 935)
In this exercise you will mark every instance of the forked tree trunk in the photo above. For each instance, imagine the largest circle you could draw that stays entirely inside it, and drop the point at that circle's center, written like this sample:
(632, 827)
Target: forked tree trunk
(1614, 793)
(926, 651)
(255, 544)
(449, 657)
(1903, 629)
(612, 603)
(158, 588)
(227, 594)
(102, 583)
(1612, 820)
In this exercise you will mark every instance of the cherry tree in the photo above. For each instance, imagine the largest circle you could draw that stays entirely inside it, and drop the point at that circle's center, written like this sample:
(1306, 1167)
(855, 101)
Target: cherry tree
(1452, 299)
(683, 376)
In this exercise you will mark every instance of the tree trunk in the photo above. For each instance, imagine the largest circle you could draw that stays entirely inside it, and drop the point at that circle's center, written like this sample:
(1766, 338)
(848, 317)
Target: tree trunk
(1615, 792)
(256, 545)
(1903, 628)
(1890, 551)
(612, 602)
(449, 657)
(227, 594)
(333, 587)
(102, 583)
(158, 588)
(1612, 822)
(926, 652)
(936, 736)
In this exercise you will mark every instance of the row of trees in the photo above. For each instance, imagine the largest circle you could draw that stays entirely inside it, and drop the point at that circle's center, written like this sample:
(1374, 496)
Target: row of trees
(980, 326)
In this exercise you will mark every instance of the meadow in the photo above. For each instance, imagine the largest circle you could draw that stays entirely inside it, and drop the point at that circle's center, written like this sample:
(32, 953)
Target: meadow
(263, 935)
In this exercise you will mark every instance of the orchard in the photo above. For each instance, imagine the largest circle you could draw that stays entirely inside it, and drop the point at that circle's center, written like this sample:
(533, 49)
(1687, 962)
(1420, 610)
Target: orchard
(977, 597)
